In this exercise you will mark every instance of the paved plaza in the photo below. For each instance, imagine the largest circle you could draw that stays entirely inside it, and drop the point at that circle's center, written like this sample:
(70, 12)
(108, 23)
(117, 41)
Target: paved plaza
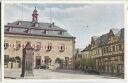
(54, 74)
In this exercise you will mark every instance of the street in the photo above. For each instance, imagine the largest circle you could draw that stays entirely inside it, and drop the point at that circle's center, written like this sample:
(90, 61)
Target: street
(56, 74)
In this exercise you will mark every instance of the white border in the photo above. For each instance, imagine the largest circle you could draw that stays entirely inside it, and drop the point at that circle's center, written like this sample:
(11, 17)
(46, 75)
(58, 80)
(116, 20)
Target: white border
(60, 80)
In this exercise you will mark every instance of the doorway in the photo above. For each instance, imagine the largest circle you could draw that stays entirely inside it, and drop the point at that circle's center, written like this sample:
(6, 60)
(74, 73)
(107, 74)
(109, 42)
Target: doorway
(38, 61)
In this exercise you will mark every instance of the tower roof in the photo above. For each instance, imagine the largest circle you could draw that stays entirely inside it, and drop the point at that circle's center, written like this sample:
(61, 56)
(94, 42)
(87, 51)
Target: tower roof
(35, 9)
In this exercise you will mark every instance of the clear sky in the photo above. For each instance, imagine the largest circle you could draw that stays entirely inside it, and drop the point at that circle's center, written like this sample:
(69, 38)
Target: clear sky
(80, 20)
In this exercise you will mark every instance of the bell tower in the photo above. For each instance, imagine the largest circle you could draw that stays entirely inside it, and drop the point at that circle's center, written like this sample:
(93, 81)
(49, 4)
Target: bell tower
(35, 16)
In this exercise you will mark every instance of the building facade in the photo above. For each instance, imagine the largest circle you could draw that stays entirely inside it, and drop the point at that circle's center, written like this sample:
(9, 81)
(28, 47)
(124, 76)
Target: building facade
(49, 41)
(107, 52)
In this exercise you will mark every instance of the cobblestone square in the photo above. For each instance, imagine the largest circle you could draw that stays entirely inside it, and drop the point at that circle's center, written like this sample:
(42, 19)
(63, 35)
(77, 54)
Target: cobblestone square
(54, 74)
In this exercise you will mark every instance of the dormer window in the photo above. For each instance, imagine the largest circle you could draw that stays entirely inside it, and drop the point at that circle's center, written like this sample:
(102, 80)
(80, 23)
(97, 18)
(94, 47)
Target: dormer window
(45, 32)
(8, 29)
(26, 31)
(51, 25)
(61, 33)
(19, 23)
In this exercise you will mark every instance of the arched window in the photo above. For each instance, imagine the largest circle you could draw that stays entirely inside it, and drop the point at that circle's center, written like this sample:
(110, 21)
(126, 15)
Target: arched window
(49, 47)
(62, 48)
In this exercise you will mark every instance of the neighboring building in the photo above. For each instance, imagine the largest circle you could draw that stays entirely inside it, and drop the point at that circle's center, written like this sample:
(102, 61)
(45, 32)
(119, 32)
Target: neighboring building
(86, 54)
(107, 51)
(49, 41)
(77, 59)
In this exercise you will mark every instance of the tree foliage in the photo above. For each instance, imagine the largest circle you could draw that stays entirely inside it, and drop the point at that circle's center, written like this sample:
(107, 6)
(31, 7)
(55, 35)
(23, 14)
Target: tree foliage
(87, 62)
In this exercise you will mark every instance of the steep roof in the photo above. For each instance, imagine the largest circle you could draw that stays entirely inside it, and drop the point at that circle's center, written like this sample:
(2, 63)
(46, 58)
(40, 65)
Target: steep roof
(87, 48)
(35, 28)
(115, 31)
(95, 37)
(29, 24)
(102, 40)
(53, 31)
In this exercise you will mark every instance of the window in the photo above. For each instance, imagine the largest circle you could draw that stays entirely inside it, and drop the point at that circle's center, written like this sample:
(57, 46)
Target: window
(45, 32)
(18, 45)
(6, 59)
(26, 31)
(46, 60)
(104, 50)
(8, 29)
(98, 51)
(26, 42)
(19, 23)
(38, 46)
(120, 47)
(117, 47)
(107, 49)
(62, 48)
(113, 48)
(6, 45)
(49, 47)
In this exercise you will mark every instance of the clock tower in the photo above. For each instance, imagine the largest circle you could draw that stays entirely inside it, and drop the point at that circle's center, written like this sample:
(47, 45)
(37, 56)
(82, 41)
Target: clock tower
(35, 16)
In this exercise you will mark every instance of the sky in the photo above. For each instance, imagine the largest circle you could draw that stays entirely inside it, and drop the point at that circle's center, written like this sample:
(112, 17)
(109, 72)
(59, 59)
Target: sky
(81, 20)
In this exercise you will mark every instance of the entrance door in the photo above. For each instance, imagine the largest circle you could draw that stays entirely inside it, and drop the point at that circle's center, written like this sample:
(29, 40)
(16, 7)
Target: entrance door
(38, 61)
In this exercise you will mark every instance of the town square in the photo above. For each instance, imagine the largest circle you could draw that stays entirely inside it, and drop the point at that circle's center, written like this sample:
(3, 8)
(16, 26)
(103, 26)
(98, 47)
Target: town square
(63, 41)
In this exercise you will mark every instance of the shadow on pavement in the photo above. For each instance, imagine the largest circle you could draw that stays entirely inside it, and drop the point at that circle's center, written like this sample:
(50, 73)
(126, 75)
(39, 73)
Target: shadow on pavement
(73, 72)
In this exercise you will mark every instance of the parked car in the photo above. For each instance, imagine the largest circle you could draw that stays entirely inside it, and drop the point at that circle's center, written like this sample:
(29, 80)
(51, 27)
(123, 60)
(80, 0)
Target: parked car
(37, 67)
(93, 72)
(44, 66)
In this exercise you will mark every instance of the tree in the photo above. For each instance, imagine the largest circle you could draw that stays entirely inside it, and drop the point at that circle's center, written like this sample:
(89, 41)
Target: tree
(112, 68)
(83, 63)
(78, 63)
(88, 62)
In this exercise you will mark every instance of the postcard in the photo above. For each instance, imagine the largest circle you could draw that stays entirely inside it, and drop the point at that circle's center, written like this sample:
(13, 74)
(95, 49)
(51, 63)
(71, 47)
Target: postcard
(60, 40)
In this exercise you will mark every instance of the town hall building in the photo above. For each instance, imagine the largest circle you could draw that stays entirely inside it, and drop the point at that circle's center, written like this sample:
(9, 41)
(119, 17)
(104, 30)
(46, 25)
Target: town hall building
(49, 41)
